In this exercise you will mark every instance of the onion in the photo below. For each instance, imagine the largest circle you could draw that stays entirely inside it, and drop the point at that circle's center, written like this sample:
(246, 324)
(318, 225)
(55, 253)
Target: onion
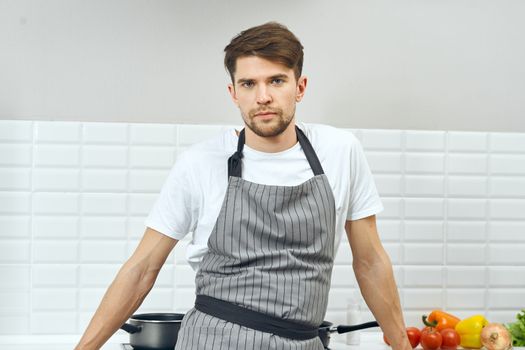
(495, 336)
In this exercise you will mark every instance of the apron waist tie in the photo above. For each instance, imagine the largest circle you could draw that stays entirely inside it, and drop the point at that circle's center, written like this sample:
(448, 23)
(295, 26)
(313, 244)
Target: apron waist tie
(255, 320)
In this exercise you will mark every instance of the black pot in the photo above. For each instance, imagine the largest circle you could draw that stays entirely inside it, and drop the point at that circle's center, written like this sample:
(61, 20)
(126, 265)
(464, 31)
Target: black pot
(155, 331)
(326, 328)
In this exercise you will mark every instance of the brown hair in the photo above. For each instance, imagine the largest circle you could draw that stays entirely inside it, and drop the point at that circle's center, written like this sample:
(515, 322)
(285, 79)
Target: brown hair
(272, 41)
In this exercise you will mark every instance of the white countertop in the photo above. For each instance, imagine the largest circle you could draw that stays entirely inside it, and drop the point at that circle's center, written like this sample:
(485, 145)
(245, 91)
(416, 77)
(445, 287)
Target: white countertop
(369, 341)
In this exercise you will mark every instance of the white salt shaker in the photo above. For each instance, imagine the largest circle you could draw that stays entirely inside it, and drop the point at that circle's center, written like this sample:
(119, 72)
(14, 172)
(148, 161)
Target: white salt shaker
(353, 317)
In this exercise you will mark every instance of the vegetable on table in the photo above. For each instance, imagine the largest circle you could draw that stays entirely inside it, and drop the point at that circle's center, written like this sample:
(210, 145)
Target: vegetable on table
(469, 331)
(495, 336)
(451, 339)
(442, 320)
(413, 334)
(431, 339)
(517, 329)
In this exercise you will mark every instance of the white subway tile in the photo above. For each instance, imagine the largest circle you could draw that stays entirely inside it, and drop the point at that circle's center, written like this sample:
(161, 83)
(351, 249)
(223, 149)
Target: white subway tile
(112, 133)
(424, 231)
(104, 204)
(102, 252)
(97, 275)
(394, 252)
(15, 226)
(54, 322)
(105, 156)
(507, 164)
(507, 254)
(459, 141)
(465, 298)
(389, 230)
(423, 253)
(424, 185)
(467, 164)
(471, 231)
(57, 155)
(180, 252)
(56, 179)
(54, 275)
(184, 299)
(382, 139)
(419, 140)
(471, 186)
(136, 227)
(153, 134)
(14, 277)
(392, 208)
(15, 179)
(55, 203)
(343, 276)
(507, 276)
(344, 254)
(55, 131)
(15, 203)
(15, 155)
(413, 317)
(507, 187)
(512, 231)
(16, 131)
(12, 252)
(14, 324)
(467, 208)
(465, 276)
(165, 279)
(424, 163)
(103, 227)
(147, 180)
(505, 298)
(505, 316)
(384, 162)
(507, 142)
(141, 204)
(90, 298)
(190, 134)
(389, 185)
(55, 227)
(104, 180)
(158, 300)
(55, 299)
(424, 208)
(152, 157)
(465, 254)
(55, 251)
(422, 276)
(507, 209)
(14, 301)
(184, 276)
(428, 299)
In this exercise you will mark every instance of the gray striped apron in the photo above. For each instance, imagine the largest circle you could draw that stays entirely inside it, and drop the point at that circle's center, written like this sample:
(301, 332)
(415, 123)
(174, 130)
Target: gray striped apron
(264, 282)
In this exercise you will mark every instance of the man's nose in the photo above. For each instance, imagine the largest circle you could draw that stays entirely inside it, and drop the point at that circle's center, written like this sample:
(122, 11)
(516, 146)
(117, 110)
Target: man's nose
(263, 95)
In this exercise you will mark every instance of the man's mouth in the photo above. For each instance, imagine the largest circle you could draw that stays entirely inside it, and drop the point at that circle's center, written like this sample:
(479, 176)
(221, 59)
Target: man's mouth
(265, 114)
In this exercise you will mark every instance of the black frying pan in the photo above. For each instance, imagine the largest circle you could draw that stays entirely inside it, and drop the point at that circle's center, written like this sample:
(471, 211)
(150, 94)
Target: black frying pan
(327, 327)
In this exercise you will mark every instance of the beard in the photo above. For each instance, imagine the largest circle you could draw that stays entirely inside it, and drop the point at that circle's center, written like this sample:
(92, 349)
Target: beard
(270, 127)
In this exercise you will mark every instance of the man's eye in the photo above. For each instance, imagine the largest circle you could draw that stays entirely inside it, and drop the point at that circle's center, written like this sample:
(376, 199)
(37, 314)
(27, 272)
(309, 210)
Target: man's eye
(247, 84)
(277, 81)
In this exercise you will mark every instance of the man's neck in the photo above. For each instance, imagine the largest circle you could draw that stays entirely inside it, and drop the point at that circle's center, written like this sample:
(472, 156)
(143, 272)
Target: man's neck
(287, 139)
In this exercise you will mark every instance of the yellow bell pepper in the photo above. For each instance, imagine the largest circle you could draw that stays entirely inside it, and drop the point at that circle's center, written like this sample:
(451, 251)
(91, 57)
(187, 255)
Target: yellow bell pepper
(469, 331)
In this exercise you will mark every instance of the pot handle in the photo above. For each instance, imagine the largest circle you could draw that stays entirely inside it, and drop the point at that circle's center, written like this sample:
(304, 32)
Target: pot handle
(345, 329)
(131, 328)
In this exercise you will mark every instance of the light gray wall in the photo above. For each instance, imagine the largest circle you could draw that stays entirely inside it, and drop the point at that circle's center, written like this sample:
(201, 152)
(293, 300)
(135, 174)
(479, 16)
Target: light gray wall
(406, 64)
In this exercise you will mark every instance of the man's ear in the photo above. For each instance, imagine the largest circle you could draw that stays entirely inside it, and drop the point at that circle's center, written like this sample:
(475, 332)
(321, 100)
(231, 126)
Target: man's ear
(301, 88)
(233, 94)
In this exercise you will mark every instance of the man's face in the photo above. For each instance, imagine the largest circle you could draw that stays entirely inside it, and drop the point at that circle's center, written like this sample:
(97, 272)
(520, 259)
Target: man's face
(266, 93)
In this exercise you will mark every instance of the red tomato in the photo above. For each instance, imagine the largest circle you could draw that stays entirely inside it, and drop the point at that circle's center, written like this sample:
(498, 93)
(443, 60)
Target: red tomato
(451, 339)
(413, 333)
(430, 339)
(414, 336)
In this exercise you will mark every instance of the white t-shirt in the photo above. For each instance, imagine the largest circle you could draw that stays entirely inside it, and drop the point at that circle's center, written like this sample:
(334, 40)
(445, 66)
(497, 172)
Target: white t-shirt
(192, 195)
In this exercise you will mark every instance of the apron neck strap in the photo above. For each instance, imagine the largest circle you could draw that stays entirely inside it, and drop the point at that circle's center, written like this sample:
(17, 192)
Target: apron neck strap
(235, 161)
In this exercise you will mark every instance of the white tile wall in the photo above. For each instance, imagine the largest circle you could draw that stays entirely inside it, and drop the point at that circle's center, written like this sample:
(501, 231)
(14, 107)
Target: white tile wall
(73, 197)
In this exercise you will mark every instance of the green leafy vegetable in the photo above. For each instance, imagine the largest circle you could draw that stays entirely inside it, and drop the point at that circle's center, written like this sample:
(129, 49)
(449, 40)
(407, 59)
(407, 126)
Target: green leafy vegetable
(517, 329)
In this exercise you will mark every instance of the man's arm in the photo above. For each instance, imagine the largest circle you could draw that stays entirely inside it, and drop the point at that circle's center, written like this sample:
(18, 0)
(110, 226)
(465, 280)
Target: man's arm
(129, 288)
(373, 271)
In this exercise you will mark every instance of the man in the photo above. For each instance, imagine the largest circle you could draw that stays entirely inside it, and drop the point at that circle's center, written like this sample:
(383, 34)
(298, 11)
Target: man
(267, 206)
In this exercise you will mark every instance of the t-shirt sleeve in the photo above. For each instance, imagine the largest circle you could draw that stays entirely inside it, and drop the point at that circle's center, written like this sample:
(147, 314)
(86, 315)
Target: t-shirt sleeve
(173, 213)
(364, 198)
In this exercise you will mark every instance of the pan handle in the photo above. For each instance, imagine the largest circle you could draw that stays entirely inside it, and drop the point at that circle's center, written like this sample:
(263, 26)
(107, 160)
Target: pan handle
(345, 329)
(131, 328)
